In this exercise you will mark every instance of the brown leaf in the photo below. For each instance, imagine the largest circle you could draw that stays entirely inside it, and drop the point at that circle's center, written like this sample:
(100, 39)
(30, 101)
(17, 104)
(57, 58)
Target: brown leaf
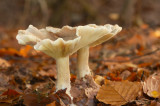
(9, 95)
(151, 86)
(40, 99)
(119, 93)
(84, 90)
(4, 63)
(99, 79)
(125, 74)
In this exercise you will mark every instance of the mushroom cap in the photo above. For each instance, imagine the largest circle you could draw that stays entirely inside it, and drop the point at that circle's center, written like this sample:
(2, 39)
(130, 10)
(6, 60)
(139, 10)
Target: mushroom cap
(115, 29)
(97, 34)
(54, 42)
(57, 42)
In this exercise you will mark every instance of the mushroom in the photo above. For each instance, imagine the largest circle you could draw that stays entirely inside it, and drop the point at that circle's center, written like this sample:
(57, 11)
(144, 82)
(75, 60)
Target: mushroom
(60, 43)
(107, 31)
(55, 42)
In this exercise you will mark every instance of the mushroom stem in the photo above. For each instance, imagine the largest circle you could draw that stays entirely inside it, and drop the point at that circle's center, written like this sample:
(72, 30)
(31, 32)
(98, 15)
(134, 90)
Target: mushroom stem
(63, 74)
(82, 59)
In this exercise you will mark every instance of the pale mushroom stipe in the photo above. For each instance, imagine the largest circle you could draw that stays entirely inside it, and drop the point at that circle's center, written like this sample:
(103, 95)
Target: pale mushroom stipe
(60, 43)
(83, 53)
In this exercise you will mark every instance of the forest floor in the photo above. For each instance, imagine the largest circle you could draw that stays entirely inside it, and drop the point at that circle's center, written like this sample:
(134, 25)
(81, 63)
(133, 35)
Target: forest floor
(27, 77)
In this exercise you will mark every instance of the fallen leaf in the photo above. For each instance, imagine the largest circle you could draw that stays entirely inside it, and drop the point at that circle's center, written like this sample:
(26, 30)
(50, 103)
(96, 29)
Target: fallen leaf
(155, 103)
(125, 74)
(11, 51)
(142, 73)
(25, 50)
(8, 51)
(119, 93)
(33, 99)
(99, 79)
(113, 77)
(73, 78)
(4, 79)
(52, 104)
(143, 102)
(4, 63)
(84, 90)
(132, 77)
(151, 86)
(50, 73)
(9, 95)
(156, 33)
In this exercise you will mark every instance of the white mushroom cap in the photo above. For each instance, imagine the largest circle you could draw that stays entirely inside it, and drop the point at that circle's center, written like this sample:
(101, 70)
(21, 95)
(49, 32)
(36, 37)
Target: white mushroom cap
(114, 30)
(95, 35)
(52, 41)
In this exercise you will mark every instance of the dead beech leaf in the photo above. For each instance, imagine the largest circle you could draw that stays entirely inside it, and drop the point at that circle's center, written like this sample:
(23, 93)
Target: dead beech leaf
(151, 86)
(119, 93)
(4, 63)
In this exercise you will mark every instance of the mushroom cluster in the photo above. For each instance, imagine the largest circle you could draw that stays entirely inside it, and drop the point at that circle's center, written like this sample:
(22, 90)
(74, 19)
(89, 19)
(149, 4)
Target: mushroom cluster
(61, 43)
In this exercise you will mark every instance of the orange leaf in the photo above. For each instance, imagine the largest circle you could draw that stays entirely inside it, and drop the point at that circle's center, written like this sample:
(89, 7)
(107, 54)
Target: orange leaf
(113, 77)
(25, 50)
(52, 104)
(132, 77)
(145, 64)
(73, 78)
(9, 51)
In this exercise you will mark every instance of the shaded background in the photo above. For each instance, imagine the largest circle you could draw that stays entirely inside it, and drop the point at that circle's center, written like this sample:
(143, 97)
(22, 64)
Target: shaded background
(21, 13)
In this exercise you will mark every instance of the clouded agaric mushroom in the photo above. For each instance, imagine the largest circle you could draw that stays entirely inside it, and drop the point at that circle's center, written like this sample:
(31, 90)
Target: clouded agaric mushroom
(60, 43)
(104, 32)
(57, 43)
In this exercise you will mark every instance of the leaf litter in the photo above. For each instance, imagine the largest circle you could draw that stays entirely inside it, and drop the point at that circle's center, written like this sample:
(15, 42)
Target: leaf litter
(132, 58)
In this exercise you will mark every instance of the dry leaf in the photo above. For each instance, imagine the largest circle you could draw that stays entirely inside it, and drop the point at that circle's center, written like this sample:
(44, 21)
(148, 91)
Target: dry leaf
(52, 104)
(12, 51)
(8, 51)
(143, 73)
(99, 79)
(151, 86)
(9, 95)
(119, 93)
(156, 33)
(125, 74)
(4, 63)
(25, 50)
